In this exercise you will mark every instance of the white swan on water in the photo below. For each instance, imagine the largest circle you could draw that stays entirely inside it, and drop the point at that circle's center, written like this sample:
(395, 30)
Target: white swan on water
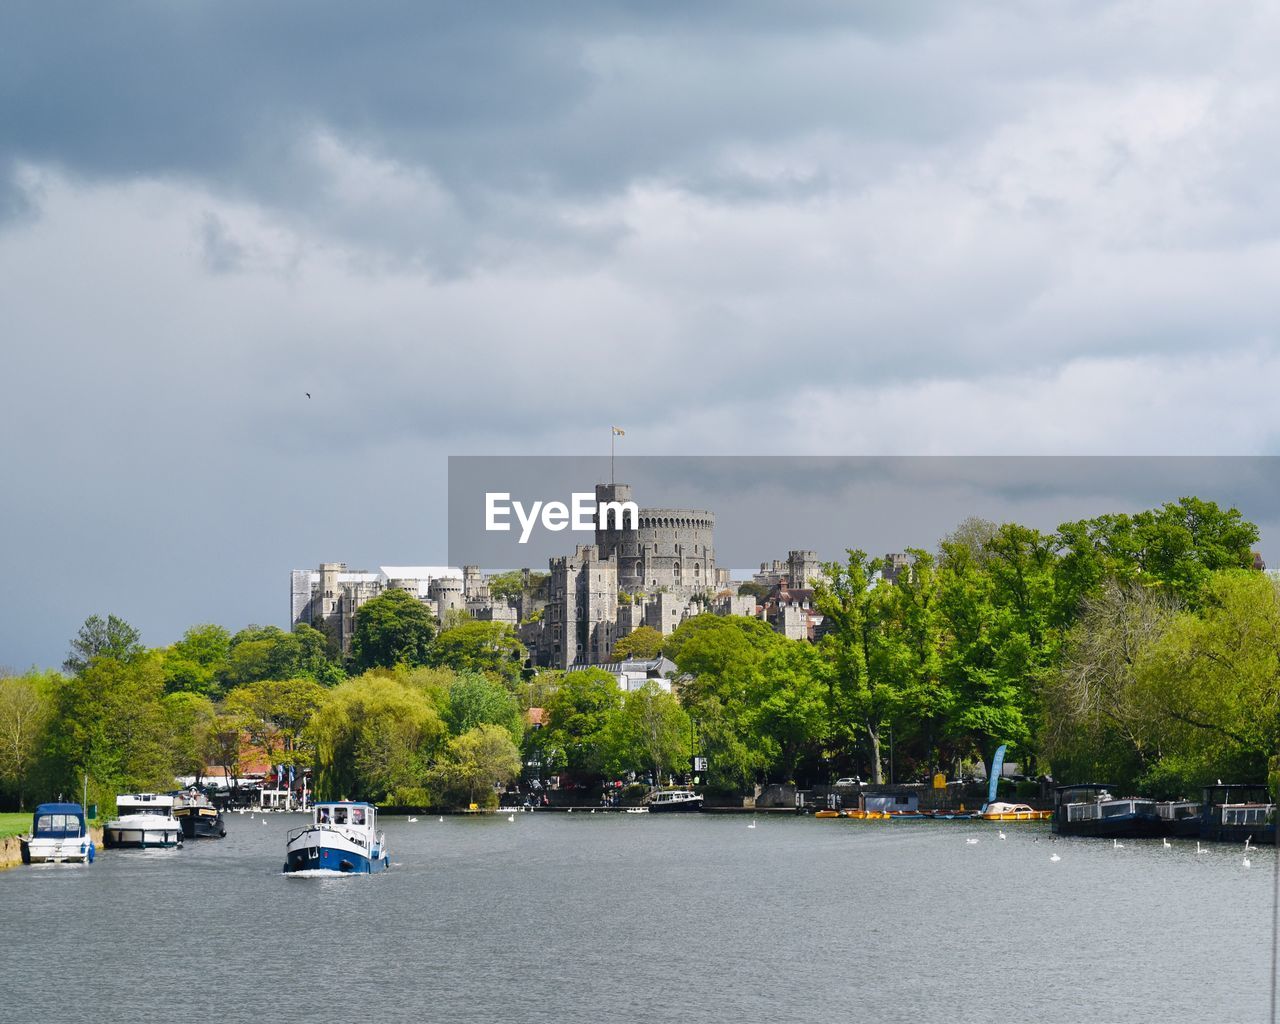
(1001, 835)
(752, 823)
(511, 817)
(413, 819)
(1167, 845)
(1055, 858)
(1117, 845)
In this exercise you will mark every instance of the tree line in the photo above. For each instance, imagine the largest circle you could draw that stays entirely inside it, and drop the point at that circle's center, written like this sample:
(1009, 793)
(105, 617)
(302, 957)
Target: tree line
(1141, 650)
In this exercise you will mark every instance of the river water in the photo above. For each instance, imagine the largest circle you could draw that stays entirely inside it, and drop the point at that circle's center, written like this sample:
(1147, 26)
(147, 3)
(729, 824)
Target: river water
(617, 917)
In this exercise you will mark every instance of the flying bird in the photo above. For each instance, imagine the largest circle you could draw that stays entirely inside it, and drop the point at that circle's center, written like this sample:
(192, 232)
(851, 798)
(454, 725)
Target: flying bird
(308, 394)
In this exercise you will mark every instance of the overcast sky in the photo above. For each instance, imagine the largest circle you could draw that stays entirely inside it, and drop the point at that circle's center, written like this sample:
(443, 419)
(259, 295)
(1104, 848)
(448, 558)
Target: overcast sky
(757, 228)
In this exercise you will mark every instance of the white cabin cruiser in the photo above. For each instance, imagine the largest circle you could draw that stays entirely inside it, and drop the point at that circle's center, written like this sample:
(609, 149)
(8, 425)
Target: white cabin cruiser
(144, 820)
(58, 835)
(343, 838)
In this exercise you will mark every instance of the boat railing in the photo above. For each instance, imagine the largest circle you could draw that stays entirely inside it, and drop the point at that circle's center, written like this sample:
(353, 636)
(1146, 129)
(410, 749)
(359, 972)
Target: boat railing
(345, 831)
(1084, 812)
(1177, 811)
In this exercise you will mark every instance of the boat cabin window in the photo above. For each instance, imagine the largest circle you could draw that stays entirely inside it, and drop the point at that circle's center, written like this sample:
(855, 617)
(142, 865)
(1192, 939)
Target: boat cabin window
(67, 824)
(357, 815)
(339, 815)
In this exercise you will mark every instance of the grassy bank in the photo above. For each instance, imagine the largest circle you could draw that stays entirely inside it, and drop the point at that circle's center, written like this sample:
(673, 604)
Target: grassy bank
(15, 824)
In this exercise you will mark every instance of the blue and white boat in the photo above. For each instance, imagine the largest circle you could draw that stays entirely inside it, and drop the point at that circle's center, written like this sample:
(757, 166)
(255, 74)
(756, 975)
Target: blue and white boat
(59, 835)
(343, 838)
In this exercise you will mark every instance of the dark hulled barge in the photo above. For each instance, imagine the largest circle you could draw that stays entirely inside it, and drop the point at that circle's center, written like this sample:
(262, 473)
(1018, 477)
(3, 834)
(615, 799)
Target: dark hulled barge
(197, 815)
(1090, 810)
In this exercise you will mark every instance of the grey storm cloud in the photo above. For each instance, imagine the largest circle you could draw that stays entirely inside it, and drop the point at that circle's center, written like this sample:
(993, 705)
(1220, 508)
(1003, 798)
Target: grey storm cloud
(754, 229)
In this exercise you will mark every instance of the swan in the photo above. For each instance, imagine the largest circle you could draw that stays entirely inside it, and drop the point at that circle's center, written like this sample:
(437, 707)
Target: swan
(1247, 840)
(1001, 835)
(1117, 845)
(411, 818)
(511, 817)
(442, 819)
(1167, 845)
(1054, 857)
(752, 823)
(1198, 847)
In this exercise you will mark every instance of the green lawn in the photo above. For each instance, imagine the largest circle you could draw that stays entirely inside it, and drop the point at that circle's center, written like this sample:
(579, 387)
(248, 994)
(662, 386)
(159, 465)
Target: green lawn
(15, 824)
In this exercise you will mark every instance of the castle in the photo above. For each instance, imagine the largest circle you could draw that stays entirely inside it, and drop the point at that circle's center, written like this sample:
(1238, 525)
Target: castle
(657, 571)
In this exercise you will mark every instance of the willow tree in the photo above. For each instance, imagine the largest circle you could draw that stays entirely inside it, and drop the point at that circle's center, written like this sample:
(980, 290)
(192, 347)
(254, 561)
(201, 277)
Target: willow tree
(374, 736)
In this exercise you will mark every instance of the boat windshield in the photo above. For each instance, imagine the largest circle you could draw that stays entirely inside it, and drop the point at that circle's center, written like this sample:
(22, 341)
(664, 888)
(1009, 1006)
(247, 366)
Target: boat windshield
(65, 825)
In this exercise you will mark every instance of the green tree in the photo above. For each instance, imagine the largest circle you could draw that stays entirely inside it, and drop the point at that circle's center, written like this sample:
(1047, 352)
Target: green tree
(275, 713)
(393, 628)
(643, 643)
(1176, 547)
(577, 717)
(475, 700)
(195, 663)
(480, 759)
(112, 638)
(490, 647)
(511, 585)
(986, 659)
(722, 656)
(909, 655)
(373, 737)
(650, 733)
(1210, 685)
(188, 717)
(861, 699)
(268, 652)
(789, 710)
(25, 709)
(108, 721)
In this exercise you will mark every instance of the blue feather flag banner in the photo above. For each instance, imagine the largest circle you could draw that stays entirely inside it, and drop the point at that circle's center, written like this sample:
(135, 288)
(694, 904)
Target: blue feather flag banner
(997, 766)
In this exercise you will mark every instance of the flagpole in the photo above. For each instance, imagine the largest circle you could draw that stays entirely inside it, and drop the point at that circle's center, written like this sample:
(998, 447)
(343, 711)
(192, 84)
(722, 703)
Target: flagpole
(612, 436)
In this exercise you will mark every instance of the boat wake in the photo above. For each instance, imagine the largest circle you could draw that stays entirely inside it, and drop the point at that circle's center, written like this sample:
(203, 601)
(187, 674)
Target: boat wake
(320, 873)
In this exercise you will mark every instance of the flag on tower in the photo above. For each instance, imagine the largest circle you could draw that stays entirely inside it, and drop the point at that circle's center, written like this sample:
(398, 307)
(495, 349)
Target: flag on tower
(619, 431)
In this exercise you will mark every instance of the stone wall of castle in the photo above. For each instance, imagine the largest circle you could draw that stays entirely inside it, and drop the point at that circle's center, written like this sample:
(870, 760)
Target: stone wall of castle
(670, 548)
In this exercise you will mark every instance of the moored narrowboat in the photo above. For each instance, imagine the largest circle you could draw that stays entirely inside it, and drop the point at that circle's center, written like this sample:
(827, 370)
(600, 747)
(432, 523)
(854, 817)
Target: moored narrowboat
(673, 801)
(1235, 813)
(197, 815)
(1181, 818)
(1089, 809)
